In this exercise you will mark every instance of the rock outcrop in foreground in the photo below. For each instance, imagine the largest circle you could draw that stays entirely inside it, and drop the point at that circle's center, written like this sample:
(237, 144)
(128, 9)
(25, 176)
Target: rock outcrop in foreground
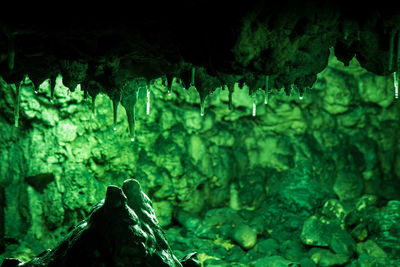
(121, 230)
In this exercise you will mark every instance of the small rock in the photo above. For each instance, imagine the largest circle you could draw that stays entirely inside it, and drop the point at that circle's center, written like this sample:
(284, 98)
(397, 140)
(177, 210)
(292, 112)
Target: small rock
(360, 232)
(245, 236)
(365, 201)
(370, 248)
(333, 209)
(320, 231)
(325, 258)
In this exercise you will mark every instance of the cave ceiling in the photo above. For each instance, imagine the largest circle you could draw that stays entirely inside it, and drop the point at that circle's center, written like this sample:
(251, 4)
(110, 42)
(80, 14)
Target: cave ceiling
(201, 43)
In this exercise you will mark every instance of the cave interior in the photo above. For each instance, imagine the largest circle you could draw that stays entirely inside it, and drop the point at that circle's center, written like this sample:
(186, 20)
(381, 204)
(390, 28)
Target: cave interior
(200, 133)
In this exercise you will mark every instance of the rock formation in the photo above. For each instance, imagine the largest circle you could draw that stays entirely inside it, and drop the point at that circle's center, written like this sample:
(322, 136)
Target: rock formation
(121, 230)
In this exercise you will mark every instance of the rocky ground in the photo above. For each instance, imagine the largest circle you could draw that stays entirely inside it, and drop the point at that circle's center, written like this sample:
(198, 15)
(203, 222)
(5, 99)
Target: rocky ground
(305, 182)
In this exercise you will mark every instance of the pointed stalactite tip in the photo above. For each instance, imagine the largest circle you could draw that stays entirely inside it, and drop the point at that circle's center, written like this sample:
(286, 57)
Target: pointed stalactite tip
(148, 101)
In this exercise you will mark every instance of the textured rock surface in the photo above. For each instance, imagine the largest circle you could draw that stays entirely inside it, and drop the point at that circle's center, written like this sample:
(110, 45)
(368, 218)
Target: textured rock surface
(208, 175)
(121, 230)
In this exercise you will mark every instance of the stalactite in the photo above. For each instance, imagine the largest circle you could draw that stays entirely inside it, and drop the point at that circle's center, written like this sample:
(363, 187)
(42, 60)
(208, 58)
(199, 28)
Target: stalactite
(11, 52)
(202, 105)
(130, 113)
(396, 77)
(202, 109)
(115, 96)
(254, 98)
(193, 76)
(398, 51)
(148, 100)
(266, 90)
(129, 97)
(241, 83)
(17, 101)
(301, 93)
(52, 84)
(230, 92)
(391, 48)
(288, 89)
(85, 93)
(93, 106)
(168, 83)
(396, 84)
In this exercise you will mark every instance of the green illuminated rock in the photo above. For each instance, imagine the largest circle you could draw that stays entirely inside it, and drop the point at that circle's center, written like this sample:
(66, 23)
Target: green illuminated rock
(323, 232)
(245, 236)
(326, 258)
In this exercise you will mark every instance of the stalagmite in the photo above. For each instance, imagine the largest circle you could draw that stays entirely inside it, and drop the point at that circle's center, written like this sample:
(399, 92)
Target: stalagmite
(148, 100)
(391, 47)
(266, 90)
(17, 101)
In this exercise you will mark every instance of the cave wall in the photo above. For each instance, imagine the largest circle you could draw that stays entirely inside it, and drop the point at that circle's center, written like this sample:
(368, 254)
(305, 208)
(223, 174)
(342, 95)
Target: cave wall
(338, 142)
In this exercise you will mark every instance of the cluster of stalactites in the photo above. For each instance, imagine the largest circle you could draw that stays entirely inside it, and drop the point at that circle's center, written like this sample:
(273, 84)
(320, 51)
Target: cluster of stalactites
(27, 82)
(392, 46)
(126, 90)
(127, 95)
